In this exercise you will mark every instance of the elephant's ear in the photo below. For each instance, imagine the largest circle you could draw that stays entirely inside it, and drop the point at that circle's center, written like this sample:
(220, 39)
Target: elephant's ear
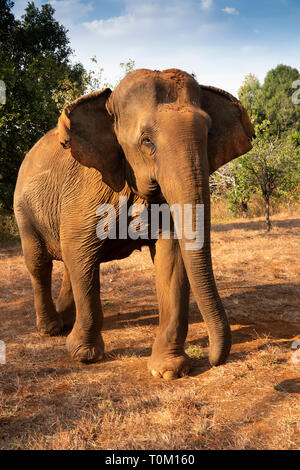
(87, 129)
(231, 131)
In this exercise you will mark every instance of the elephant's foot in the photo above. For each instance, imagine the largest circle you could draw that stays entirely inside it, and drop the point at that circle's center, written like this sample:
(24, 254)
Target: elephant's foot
(52, 327)
(82, 351)
(168, 366)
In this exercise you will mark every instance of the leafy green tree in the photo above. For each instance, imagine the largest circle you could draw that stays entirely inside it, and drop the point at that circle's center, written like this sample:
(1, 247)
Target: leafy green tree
(273, 100)
(91, 80)
(271, 168)
(34, 62)
(250, 94)
(7, 21)
(277, 92)
(230, 183)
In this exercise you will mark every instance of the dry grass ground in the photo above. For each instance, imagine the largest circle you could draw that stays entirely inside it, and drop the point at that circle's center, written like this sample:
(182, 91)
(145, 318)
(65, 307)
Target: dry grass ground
(48, 401)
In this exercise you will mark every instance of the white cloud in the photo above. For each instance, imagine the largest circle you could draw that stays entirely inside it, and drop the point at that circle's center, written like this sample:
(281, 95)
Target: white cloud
(247, 49)
(70, 11)
(144, 18)
(67, 11)
(159, 36)
(206, 4)
(231, 11)
(112, 27)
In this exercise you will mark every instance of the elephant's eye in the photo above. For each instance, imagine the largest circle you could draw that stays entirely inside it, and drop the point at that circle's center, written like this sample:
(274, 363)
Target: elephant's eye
(148, 143)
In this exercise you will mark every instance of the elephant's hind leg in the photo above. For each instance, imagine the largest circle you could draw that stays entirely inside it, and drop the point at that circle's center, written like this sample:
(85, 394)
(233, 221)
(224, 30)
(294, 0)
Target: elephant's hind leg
(39, 265)
(65, 304)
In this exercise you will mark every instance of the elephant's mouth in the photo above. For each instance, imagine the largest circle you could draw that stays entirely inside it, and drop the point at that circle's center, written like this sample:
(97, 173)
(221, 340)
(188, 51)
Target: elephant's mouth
(154, 194)
(146, 188)
(150, 192)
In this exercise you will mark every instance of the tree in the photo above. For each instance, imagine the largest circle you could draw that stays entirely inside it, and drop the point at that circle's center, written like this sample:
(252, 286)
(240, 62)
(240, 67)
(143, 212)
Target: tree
(273, 100)
(91, 80)
(34, 62)
(271, 168)
(277, 92)
(228, 183)
(250, 94)
(7, 21)
(35, 65)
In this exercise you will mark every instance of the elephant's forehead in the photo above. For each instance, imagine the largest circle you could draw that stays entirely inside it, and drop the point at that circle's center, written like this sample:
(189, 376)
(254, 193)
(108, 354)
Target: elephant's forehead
(144, 88)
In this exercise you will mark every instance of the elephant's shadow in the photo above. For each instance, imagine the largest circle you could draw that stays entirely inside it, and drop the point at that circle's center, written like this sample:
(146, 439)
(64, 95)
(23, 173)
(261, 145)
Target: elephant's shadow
(247, 330)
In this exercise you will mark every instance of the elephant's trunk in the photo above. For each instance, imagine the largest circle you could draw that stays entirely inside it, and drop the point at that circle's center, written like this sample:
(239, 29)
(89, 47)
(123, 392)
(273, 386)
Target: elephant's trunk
(187, 183)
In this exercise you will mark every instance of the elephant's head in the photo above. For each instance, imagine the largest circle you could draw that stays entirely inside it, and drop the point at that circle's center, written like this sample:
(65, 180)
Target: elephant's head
(163, 134)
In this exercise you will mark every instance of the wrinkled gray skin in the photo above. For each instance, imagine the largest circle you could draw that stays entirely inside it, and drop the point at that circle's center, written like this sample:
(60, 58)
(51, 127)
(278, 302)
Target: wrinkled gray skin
(156, 138)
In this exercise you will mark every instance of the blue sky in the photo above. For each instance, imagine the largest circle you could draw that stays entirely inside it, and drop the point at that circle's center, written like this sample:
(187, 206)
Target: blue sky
(221, 41)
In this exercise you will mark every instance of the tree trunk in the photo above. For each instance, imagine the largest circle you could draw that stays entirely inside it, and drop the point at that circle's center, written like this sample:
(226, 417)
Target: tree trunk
(268, 221)
(244, 208)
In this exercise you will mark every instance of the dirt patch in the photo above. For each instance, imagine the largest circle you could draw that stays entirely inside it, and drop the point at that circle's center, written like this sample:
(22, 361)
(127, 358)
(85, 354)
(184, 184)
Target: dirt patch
(47, 401)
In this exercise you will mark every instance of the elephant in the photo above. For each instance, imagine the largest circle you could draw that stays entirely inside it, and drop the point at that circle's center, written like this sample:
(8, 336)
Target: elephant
(155, 138)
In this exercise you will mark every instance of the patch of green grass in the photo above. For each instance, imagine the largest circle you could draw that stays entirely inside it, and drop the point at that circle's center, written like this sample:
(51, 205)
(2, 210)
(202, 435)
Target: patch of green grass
(270, 361)
(288, 421)
(195, 352)
(219, 220)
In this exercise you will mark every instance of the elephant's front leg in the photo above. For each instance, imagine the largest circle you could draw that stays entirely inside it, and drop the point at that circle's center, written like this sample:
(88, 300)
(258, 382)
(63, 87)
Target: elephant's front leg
(168, 359)
(85, 342)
